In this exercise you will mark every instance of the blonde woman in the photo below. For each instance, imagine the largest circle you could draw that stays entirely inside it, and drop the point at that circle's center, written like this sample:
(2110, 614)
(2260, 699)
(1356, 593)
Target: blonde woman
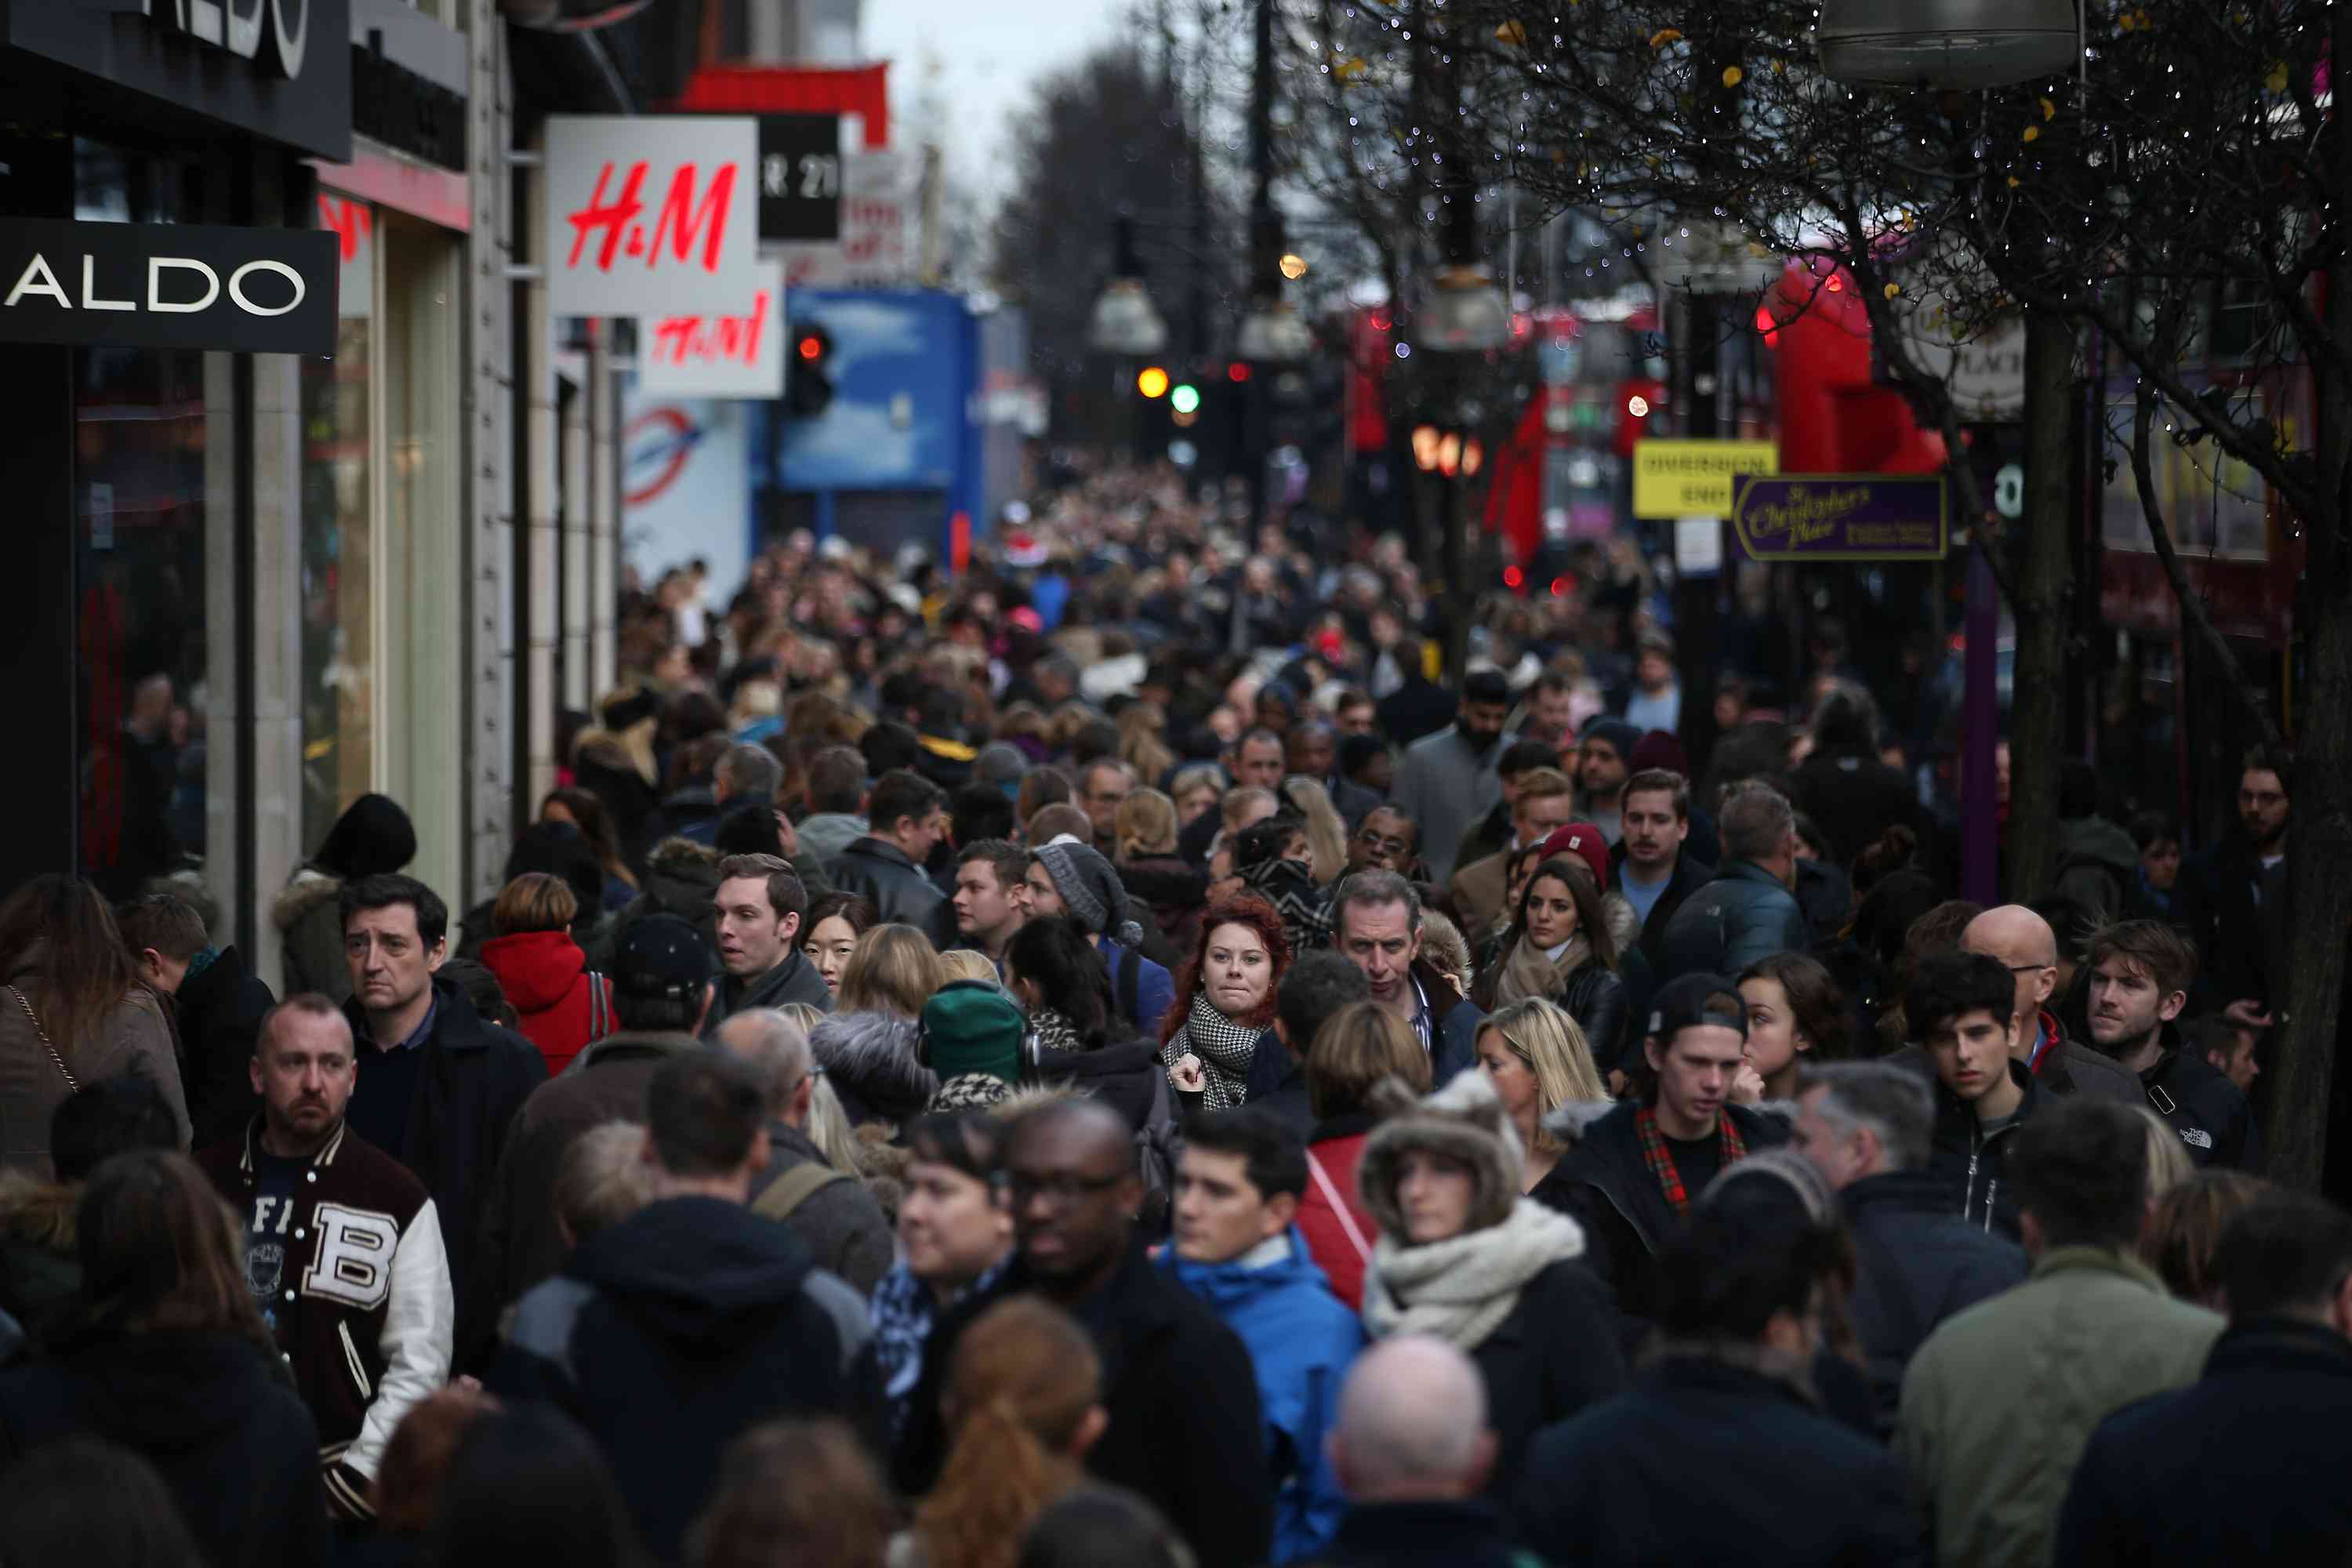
(1197, 790)
(1535, 1055)
(1327, 834)
(893, 969)
(1145, 827)
(964, 963)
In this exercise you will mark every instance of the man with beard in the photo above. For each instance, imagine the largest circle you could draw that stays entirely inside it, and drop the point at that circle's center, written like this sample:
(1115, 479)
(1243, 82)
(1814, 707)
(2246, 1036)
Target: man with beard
(1448, 778)
(1602, 764)
(343, 1251)
(2245, 895)
(2140, 972)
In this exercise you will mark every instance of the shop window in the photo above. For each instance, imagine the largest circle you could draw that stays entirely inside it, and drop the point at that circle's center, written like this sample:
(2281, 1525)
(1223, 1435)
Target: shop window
(339, 402)
(141, 525)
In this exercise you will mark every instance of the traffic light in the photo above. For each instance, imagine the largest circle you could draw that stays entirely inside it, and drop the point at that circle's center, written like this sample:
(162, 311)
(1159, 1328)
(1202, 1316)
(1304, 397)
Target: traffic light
(1151, 381)
(1184, 397)
(808, 380)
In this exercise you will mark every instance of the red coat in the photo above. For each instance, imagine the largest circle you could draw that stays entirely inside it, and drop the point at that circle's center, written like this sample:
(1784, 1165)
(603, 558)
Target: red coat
(563, 1006)
(1327, 1228)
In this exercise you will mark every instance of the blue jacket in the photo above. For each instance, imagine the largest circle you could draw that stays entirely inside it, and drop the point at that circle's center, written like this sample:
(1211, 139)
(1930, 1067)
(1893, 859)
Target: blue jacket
(1745, 914)
(1155, 988)
(1301, 1342)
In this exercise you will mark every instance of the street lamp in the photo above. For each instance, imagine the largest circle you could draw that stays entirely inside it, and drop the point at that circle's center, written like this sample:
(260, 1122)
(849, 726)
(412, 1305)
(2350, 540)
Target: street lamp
(1124, 321)
(1272, 333)
(1463, 311)
(1947, 43)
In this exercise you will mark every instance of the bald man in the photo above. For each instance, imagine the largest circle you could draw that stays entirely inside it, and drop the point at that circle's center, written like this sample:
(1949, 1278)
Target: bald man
(1186, 1428)
(2023, 943)
(831, 1210)
(1413, 1451)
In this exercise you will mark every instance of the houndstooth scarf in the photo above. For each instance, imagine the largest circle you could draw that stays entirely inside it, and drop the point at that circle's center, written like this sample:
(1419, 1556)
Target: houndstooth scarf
(1224, 1047)
(1462, 1288)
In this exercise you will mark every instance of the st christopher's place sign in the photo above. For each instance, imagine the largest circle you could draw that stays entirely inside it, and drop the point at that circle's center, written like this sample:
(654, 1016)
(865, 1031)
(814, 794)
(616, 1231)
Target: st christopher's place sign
(168, 286)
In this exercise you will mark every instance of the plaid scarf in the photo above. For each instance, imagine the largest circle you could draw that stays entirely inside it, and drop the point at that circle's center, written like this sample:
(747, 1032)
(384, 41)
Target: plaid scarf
(1661, 1160)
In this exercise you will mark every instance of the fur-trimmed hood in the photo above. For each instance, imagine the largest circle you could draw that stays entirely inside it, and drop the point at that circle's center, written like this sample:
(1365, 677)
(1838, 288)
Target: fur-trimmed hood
(1624, 921)
(37, 1213)
(1464, 1120)
(871, 1060)
(310, 889)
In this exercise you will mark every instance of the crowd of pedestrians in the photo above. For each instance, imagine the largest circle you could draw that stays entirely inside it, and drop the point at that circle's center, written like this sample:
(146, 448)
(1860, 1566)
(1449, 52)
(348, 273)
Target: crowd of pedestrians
(1108, 1060)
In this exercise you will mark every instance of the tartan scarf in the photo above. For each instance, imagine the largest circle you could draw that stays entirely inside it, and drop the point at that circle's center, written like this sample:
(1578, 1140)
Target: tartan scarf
(1661, 1160)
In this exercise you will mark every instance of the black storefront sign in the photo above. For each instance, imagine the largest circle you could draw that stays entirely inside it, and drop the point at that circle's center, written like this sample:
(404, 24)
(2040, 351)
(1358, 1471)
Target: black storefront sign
(800, 176)
(168, 286)
(276, 68)
(403, 111)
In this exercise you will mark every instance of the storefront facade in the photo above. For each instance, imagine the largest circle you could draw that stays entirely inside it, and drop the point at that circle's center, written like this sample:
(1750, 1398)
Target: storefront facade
(252, 586)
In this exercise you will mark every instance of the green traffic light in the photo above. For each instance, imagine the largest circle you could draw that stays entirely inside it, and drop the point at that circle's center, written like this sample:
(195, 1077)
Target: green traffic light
(1184, 397)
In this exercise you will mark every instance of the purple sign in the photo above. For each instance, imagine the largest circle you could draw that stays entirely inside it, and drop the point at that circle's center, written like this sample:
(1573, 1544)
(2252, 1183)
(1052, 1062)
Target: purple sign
(1840, 517)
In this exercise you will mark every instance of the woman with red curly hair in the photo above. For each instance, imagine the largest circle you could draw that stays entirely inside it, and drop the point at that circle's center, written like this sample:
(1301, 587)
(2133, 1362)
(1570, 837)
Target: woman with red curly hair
(1227, 990)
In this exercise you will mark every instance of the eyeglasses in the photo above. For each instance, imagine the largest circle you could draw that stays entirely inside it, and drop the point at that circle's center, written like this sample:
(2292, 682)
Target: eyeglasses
(2029, 968)
(1060, 1188)
(1371, 840)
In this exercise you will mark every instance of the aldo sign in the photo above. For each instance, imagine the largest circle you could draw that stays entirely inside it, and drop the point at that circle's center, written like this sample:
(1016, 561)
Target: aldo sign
(168, 286)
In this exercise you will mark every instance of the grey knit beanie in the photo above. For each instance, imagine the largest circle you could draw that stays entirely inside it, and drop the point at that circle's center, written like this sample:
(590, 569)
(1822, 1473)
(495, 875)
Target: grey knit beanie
(1098, 899)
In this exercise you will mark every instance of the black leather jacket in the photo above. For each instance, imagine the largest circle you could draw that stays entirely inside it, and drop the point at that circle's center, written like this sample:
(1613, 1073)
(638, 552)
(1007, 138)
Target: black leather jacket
(1595, 997)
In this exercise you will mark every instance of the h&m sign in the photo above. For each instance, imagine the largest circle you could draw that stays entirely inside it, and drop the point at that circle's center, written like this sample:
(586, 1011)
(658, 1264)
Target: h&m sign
(168, 286)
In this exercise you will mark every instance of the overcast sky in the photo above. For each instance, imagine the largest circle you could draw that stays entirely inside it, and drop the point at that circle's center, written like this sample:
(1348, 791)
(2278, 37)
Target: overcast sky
(988, 55)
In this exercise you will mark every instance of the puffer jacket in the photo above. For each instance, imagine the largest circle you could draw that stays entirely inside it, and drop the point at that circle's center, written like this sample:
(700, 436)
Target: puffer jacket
(308, 914)
(563, 1006)
(1999, 1404)
(1745, 914)
(871, 1062)
(133, 1037)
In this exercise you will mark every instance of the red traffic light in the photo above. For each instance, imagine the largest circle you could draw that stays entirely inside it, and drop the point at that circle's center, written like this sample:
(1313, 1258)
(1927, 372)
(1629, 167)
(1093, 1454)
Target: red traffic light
(1513, 578)
(1237, 372)
(811, 347)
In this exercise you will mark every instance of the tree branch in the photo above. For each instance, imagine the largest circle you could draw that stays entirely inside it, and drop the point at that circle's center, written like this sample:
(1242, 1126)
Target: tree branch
(2192, 604)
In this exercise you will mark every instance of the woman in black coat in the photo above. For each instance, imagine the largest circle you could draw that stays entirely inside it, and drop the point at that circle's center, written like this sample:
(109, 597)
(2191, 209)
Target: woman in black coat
(171, 1360)
(1561, 949)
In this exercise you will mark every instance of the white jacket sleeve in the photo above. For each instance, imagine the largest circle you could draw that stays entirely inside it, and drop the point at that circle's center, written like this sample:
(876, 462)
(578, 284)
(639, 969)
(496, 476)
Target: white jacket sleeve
(420, 1325)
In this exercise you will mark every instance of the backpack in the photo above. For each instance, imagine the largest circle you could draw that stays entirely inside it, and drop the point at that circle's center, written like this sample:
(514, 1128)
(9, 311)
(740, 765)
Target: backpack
(793, 1188)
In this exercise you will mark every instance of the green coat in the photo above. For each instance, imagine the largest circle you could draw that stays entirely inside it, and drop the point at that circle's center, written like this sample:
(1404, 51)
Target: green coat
(2000, 1400)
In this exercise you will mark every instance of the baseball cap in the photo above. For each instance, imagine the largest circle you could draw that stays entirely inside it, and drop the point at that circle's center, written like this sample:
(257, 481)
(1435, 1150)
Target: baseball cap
(1692, 1000)
(661, 956)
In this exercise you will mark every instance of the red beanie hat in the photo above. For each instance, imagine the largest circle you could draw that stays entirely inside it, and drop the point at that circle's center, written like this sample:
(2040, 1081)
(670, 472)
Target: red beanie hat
(1659, 748)
(1583, 841)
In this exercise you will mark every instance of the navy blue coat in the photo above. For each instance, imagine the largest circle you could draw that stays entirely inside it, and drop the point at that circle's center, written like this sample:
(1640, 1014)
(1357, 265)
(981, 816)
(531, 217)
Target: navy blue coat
(1745, 914)
(2245, 1465)
(1705, 1462)
(1919, 1265)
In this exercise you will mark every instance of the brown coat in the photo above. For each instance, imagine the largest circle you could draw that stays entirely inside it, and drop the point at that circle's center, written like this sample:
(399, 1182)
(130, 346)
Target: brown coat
(1478, 891)
(134, 1037)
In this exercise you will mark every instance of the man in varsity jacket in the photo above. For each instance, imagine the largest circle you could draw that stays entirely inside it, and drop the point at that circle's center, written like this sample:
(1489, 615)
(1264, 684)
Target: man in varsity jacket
(343, 1249)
